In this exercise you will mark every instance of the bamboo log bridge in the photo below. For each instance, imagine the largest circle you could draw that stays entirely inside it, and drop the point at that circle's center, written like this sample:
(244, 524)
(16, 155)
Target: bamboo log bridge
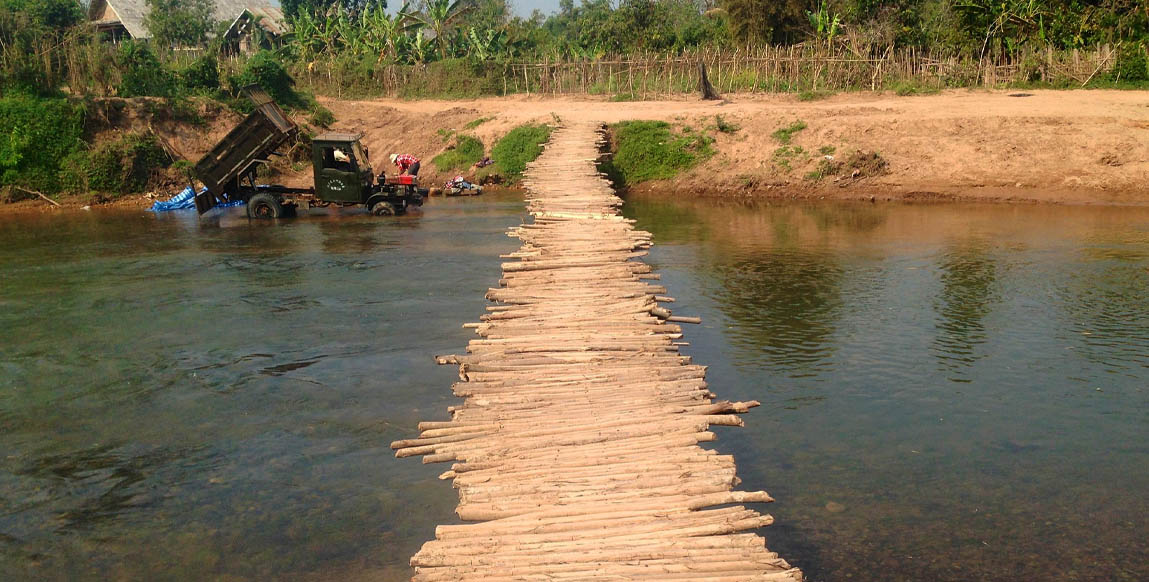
(576, 448)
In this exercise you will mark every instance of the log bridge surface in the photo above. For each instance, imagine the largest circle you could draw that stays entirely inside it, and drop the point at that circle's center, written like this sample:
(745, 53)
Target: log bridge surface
(576, 449)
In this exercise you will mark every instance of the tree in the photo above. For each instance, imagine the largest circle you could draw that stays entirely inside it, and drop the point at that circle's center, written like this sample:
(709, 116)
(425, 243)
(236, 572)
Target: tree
(292, 9)
(440, 16)
(773, 21)
(180, 22)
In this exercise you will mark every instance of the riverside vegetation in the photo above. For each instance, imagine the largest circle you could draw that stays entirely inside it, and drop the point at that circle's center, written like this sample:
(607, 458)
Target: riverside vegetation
(54, 69)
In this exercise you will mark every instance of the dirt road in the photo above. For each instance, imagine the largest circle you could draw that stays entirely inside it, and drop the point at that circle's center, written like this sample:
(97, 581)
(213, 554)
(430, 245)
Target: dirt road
(1044, 146)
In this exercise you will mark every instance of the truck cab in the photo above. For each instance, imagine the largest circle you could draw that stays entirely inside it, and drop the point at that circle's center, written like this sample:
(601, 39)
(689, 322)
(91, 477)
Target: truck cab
(342, 168)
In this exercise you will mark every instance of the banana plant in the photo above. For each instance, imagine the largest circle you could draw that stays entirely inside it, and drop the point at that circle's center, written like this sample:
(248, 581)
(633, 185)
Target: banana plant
(488, 45)
(826, 25)
(439, 17)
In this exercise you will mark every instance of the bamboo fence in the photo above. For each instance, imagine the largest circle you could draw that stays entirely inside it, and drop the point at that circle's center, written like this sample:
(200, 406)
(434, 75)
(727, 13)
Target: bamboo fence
(576, 449)
(794, 68)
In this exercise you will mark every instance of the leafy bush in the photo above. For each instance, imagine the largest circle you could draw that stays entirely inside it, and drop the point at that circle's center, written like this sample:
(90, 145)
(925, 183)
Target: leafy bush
(321, 116)
(143, 74)
(35, 136)
(466, 152)
(127, 164)
(648, 150)
(1131, 65)
(518, 148)
(724, 126)
(201, 76)
(266, 71)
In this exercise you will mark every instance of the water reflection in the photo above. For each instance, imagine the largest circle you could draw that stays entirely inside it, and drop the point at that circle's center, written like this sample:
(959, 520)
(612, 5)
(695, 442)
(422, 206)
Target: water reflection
(968, 278)
(851, 323)
(213, 400)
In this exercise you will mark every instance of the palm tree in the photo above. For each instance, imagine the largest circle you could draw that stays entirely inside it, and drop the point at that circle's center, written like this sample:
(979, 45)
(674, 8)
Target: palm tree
(439, 16)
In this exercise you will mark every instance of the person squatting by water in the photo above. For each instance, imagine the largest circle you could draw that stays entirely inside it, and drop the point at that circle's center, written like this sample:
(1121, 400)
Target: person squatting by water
(408, 164)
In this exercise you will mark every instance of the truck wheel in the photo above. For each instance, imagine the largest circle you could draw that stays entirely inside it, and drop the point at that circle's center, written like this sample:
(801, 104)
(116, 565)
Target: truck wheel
(383, 209)
(264, 206)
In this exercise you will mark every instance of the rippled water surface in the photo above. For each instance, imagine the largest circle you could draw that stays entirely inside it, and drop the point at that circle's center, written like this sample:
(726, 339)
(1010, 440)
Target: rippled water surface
(948, 392)
(184, 401)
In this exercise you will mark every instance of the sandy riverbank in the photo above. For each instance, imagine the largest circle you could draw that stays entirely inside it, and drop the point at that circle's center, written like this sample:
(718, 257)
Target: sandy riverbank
(1075, 147)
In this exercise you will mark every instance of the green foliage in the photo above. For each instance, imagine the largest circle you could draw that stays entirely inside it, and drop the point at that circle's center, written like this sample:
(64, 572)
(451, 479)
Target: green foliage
(908, 88)
(126, 165)
(175, 23)
(825, 169)
(725, 126)
(1132, 65)
(477, 122)
(466, 151)
(772, 21)
(265, 69)
(621, 97)
(201, 76)
(785, 134)
(521, 146)
(36, 135)
(649, 150)
(784, 154)
(827, 150)
(321, 116)
(143, 73)
(814, 95)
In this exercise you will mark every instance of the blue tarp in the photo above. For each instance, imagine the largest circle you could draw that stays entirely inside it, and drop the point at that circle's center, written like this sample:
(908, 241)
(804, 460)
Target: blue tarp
(185, 200)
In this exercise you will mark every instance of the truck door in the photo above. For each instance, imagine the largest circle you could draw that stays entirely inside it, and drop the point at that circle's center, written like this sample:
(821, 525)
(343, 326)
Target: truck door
(336, 174)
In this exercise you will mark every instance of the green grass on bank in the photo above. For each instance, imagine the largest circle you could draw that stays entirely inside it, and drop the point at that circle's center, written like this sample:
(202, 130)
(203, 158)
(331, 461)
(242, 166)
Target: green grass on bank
(518, 148)
(466, 151)
(651, 150)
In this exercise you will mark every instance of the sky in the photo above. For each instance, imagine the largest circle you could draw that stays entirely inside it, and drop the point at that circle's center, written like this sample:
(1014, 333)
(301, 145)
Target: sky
(525, 7)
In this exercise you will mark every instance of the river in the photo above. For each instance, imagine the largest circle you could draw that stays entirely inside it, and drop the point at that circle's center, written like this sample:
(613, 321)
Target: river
(949, 392)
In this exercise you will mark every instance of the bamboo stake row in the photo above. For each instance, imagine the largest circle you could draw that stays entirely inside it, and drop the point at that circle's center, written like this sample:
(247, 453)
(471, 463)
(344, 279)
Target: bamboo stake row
(576, 449)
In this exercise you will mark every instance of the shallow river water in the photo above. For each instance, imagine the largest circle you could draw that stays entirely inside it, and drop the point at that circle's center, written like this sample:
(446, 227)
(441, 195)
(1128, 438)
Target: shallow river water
(948, 392)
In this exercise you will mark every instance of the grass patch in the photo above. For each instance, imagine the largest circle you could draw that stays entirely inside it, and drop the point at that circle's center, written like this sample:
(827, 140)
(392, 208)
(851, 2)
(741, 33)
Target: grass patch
(445, 134)
(518, 148)
(825, 168)
(907, 89)
(625, 97)
(814, 95)
(785, 134)
(477, 122)
(466, 151)
(783, 155)
(827, 150)
(724, 126)
(649, 150)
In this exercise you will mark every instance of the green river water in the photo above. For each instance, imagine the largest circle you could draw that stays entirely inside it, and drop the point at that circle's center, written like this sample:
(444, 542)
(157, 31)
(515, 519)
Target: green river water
(948, 392)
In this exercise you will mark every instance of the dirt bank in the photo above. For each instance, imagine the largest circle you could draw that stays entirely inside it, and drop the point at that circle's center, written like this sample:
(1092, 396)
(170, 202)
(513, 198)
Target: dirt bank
(1084, 147)
(1079, 147)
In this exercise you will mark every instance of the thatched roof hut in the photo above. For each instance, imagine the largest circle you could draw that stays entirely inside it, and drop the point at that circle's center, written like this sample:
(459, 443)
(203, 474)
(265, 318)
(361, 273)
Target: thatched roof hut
(123, 18)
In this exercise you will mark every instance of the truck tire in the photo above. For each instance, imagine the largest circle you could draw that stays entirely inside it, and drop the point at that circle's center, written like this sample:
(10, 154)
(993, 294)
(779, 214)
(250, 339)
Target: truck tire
(383, 209)
(264, 205)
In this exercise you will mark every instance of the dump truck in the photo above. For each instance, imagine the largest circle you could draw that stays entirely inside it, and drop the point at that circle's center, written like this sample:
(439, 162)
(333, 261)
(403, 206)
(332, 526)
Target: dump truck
(341, 168)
